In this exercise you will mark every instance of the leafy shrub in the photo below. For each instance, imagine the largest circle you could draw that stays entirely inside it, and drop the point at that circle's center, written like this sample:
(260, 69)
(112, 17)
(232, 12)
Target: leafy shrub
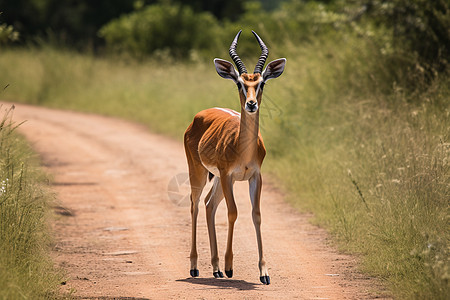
(7, 33)
(161, 28)
(419, 29)
(178, 31)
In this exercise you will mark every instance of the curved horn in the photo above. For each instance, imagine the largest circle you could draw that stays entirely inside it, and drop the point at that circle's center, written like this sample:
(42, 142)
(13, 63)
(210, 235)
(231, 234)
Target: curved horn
(264, 54)
(235, 57)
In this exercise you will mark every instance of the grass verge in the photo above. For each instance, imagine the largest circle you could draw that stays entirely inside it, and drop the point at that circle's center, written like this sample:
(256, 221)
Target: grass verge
(26, 270)
(369, 159)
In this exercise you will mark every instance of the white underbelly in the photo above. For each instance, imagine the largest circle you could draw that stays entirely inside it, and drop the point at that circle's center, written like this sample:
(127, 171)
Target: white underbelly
(242, 173)
(212, 169)
(239, 173)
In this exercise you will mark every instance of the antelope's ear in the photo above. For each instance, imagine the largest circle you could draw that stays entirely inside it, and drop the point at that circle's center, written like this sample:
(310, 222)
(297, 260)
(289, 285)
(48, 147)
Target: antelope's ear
(226, 69)
(274, 69)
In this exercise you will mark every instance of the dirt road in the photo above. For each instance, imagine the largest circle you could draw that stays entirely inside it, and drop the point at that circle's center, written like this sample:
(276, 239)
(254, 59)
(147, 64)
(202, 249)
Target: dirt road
(123, 222)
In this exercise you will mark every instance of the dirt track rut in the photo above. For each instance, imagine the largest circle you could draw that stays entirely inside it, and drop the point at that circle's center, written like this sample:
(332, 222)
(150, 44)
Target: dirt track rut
(122, 231)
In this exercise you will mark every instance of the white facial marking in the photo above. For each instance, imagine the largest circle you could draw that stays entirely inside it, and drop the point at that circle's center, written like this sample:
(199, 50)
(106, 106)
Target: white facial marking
(258, 89)
(243, 86)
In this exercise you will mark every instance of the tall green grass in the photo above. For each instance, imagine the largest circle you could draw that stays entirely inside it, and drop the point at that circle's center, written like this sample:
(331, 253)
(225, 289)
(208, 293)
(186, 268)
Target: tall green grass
(26, 270)
(344, 140)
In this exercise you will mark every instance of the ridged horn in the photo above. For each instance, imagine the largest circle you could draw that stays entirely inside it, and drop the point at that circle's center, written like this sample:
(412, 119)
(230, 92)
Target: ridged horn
(264, 53)
(233, 54)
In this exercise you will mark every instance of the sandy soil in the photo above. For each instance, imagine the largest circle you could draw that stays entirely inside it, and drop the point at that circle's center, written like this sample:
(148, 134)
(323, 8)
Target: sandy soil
(123, 223)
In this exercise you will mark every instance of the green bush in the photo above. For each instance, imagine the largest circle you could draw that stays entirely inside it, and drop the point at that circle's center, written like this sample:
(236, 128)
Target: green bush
(177, 31)
(164, 29)
(419, 32)
(7, 34)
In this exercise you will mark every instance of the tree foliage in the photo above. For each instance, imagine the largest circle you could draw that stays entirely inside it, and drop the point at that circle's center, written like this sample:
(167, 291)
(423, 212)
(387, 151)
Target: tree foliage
(167, 29)
(74, 23)
(7, 34)
(77, 22)
(420, 29)
(230, 9)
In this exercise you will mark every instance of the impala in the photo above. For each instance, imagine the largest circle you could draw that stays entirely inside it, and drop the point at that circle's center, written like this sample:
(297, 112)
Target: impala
(223, 144)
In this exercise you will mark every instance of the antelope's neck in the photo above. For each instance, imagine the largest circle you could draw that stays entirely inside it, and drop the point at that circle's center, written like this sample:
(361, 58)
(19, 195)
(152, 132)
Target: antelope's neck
(248, 135)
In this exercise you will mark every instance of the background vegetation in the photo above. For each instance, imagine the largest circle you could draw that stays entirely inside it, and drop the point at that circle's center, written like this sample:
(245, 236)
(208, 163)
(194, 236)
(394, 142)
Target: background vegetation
(357, 128)
(26, 271)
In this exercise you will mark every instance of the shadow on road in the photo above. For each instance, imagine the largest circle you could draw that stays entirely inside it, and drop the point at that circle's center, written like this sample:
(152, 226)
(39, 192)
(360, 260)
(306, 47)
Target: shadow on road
(240, 285)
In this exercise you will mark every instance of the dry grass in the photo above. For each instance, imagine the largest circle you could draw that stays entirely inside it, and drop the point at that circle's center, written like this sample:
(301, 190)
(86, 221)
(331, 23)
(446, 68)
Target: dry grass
(26, 271)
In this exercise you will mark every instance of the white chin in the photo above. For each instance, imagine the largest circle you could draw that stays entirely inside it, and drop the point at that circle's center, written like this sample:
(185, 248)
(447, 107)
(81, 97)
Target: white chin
(249, 111)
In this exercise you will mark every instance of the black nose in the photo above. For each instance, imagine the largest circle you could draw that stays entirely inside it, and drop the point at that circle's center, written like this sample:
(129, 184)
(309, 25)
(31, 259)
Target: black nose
(251, 104)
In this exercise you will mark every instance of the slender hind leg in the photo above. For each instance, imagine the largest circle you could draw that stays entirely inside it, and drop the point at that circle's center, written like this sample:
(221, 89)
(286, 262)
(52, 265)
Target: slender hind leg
(255, 184)
(227, 184)
(198, 181)
(212, 201)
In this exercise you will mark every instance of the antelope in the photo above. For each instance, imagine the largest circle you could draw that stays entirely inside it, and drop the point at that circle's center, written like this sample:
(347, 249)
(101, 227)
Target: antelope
(226, 146)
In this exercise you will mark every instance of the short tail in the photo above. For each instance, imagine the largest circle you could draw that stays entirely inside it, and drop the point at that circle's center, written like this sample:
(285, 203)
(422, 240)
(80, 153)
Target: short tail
(210, 176)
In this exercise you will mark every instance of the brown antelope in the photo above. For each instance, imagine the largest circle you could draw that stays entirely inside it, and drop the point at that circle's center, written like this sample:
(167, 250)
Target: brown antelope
(222, 144)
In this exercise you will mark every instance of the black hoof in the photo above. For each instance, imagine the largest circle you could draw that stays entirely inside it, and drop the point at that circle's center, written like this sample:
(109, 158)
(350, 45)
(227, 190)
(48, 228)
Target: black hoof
(265, 279)
(229, 273)
(218, 274)
(194, 273)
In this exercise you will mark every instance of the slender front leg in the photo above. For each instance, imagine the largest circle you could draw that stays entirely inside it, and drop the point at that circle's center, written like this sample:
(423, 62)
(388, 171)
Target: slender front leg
(255, 184)
(194, 255)
(227, 186)
(212, 201)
